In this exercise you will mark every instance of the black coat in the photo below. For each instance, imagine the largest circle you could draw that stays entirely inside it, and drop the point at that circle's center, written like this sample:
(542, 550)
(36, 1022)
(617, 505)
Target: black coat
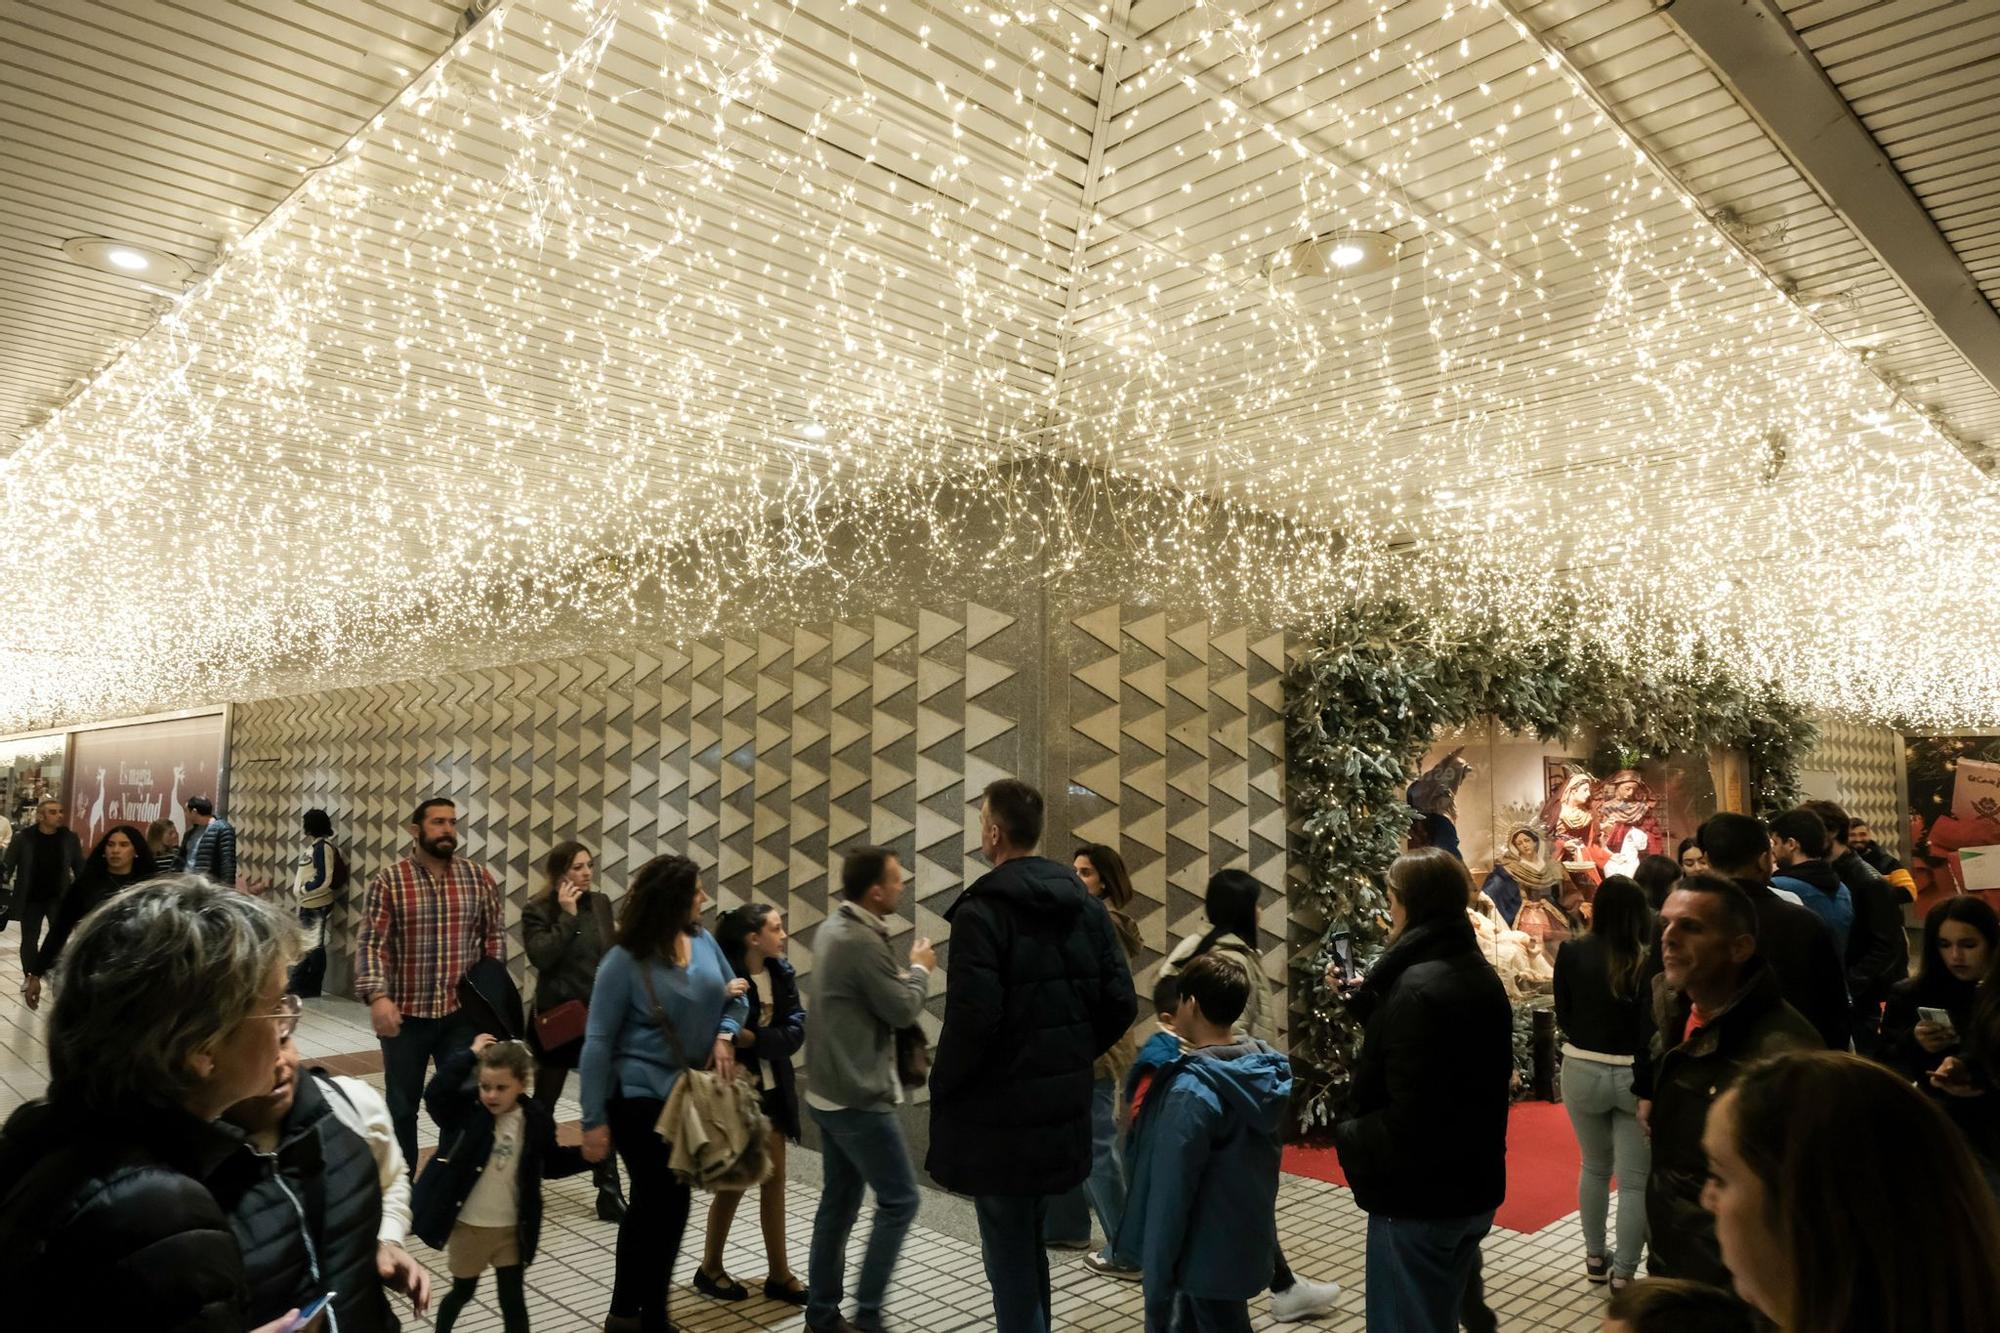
(108, 1223)
(306, 1216)
(1426, 1136)
(1682, 1080)
(465, 1137)
(1799, 947)
(85, 896)
(1036, 989)
(1878, 953)
(771, 1054)
(565, 950)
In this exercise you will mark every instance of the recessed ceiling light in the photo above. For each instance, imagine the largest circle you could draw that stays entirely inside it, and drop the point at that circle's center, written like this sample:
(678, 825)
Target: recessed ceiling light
(127, 260)
(1341, 255)
(812, 430)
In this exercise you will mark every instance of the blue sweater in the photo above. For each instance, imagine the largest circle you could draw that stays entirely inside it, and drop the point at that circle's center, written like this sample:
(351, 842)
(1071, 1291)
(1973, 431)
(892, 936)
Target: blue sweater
(1203, 1159)
(624, 1052)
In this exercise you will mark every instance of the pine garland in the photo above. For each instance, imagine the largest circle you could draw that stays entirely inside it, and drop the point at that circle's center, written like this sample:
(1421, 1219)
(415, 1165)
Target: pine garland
(1369, 696)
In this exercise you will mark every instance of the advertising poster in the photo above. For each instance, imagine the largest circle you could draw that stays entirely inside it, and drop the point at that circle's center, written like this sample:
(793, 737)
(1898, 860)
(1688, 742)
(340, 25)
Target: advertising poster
(147, 771)
(1954, 816)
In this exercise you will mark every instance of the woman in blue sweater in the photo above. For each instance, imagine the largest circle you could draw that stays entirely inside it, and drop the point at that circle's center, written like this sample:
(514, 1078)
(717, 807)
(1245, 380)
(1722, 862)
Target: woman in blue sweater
(665, 1000)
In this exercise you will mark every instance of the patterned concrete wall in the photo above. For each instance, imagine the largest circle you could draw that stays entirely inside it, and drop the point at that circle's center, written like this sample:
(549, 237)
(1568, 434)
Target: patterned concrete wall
(763, 758)
(1865, 767)
(1173, 745)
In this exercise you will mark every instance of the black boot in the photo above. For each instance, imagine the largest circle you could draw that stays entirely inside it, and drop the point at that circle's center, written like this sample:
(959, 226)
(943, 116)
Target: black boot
(610, 1200)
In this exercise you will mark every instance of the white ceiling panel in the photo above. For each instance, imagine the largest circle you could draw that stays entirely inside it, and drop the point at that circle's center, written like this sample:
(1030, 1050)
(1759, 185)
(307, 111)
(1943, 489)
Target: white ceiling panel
(580, 290)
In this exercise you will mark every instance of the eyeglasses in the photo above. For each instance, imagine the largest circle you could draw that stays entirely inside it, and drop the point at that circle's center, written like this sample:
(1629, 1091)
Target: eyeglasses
(286, 1015)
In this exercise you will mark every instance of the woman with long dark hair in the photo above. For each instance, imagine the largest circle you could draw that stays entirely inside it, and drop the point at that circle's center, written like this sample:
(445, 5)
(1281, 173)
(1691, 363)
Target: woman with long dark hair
(1601, 1007)
(1961, 942)
(1231, 908)
(753, 939)
(665, 1000)
(1103, 873)
(565, 927)
(1826, 1239)
(120, 860)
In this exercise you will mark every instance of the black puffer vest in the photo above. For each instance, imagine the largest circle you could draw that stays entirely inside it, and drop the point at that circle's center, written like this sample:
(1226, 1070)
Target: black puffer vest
(306, 1217)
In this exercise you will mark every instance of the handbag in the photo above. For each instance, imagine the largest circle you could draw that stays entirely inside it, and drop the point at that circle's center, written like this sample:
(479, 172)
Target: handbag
(913, 1057)
(715, 1129)
(562, 1025)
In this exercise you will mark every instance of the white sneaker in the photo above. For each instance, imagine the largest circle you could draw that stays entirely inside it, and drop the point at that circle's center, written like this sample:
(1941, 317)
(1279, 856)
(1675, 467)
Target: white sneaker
(1304, 1300)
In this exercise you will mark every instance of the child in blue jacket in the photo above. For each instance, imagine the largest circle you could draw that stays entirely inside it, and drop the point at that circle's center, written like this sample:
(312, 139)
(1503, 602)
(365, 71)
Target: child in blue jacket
(1202, 1155)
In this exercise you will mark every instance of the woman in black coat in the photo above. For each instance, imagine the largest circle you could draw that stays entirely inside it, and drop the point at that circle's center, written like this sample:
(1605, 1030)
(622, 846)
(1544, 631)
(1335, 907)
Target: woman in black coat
(1961, 940)
(169, 1010)
(753, 939)
(1425, 1147)
(120, 860)
(566, 928)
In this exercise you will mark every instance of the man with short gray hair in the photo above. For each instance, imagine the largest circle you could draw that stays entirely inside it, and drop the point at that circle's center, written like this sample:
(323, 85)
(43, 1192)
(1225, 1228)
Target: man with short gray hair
(41, 862)
(861, 996)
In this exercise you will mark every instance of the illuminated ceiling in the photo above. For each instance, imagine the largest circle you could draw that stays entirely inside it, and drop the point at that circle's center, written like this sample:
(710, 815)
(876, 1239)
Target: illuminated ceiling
(617, 277)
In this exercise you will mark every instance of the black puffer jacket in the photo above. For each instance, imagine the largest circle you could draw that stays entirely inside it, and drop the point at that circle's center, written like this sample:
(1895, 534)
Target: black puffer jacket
(1427, 1136)
(1036, 988)
(465, 1139)
(306, 1217)
(770, 1056)
(1878, 953)
(1682, 1080)
(108, 1223)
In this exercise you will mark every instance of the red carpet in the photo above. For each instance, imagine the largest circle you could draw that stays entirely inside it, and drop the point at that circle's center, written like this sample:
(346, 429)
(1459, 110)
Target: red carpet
(1541, 1167)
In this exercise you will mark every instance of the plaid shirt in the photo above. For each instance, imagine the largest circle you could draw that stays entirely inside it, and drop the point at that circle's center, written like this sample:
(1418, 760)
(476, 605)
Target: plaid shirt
(419, 934)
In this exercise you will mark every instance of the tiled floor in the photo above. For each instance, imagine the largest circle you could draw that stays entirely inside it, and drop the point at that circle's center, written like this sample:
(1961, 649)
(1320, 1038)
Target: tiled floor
(1533, 1281)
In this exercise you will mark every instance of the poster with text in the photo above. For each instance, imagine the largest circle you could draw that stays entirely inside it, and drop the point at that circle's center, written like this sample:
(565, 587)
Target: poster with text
(1954, 814)
(147, 771)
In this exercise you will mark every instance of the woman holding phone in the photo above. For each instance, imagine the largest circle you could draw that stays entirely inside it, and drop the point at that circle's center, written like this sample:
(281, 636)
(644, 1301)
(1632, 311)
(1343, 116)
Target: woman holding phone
(566, 927)
(1961, 940)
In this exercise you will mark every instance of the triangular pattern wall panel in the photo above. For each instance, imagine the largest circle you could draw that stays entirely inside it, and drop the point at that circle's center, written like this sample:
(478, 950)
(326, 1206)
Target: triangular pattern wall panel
(1172, 737)
(762, 756)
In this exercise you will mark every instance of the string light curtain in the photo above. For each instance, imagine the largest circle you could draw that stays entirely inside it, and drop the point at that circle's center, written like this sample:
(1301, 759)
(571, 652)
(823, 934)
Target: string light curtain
(626, 318)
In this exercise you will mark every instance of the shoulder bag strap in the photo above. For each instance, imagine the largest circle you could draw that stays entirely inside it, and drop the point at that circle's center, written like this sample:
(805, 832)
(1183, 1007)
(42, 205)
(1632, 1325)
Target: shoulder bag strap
(660, 1014)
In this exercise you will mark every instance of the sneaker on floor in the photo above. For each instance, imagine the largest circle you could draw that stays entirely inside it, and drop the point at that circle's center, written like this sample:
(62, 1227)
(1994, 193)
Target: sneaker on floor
(1099, 1264)
(1596, 1267)
(1620, 1281)
(1304, 1300)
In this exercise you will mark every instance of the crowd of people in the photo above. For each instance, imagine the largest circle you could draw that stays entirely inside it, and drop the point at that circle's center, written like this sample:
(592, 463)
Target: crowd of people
(1801, 1137)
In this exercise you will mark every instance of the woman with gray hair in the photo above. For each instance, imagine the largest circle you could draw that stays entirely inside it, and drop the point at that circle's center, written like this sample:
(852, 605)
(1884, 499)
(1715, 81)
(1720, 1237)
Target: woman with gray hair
(170, 1008)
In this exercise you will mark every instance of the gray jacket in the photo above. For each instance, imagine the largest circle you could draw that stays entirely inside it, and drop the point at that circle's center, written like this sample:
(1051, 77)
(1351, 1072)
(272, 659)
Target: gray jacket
(860, 996)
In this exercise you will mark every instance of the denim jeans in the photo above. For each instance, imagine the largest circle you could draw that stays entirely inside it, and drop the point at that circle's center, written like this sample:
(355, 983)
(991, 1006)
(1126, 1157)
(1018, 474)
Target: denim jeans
(1017, 1267)
(309, 973)
(1182, 1313)
(406, 1061)
(858, 1148)
(1417, 1270)
(1605, 1115)
(1104, 1190)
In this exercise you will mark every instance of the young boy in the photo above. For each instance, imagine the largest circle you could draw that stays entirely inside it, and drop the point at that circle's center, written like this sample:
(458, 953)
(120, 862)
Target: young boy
(1202, 1156)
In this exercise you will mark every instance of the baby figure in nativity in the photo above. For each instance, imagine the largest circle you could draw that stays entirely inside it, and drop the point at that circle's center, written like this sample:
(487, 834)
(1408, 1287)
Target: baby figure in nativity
(1626, 826)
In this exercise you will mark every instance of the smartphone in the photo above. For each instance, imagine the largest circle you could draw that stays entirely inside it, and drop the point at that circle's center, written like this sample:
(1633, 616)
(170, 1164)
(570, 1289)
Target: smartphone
(313, 1317)
(1343, 953)
(1941, 1017)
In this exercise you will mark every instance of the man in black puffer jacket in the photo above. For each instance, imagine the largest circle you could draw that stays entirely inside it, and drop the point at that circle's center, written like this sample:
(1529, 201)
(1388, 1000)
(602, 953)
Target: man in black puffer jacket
(1036, 988)
(1425, 1143)
(319, 1200)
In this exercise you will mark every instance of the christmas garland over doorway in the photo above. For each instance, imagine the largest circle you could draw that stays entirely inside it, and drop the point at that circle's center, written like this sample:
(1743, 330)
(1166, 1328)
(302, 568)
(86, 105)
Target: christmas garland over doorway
(1367, 696)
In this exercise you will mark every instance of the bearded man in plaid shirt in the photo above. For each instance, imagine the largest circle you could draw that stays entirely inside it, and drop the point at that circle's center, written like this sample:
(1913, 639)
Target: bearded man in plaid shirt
(426, 920)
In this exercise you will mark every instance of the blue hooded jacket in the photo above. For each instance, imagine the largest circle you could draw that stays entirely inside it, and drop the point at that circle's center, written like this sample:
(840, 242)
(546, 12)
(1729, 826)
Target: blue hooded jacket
(1202, 1158)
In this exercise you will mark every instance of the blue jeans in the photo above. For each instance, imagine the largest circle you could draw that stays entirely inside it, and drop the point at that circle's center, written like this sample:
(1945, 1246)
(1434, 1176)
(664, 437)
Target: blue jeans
(1182, 1313)
(1017, 1267)
(1417, 1270)
(406, 1061)
(858, 1148)
(1605, 1115)
(1104, 1190)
